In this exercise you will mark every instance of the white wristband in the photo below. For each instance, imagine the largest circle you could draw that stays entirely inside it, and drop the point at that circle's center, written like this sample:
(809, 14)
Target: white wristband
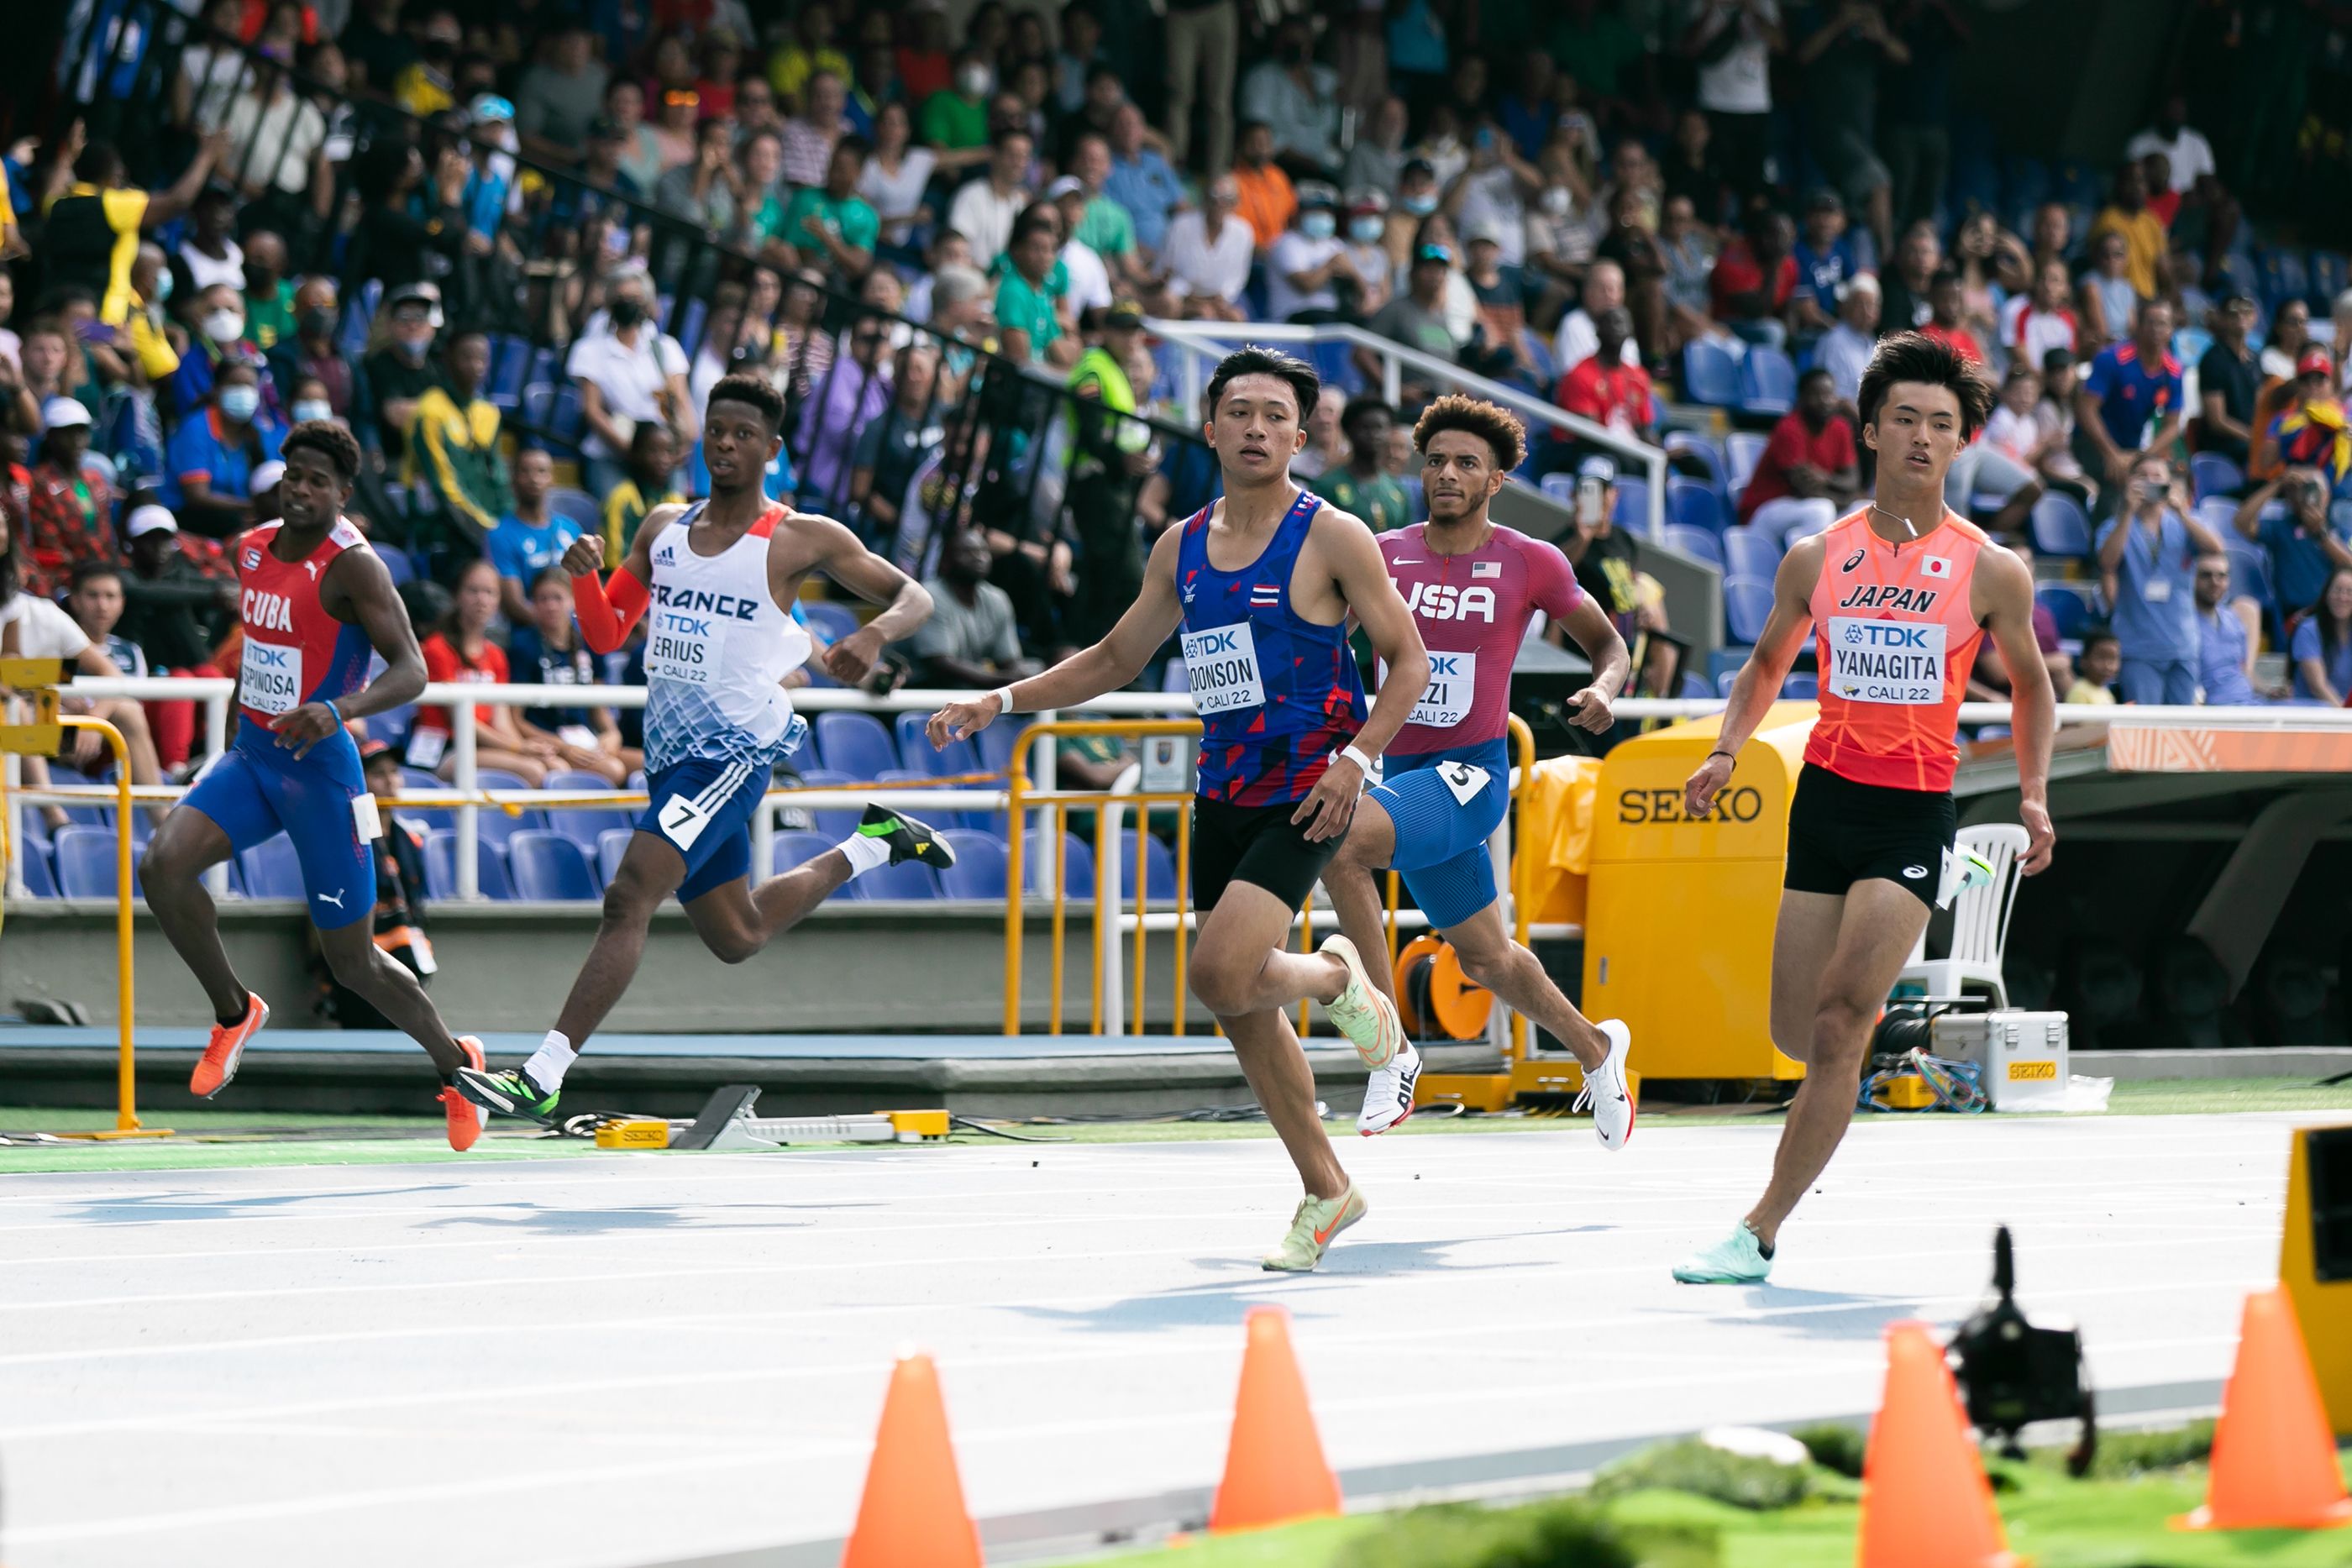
(1003, 696)
(1361, 761)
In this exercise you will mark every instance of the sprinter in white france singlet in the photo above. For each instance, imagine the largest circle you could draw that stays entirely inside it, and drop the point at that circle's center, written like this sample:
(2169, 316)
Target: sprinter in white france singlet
(718, 648)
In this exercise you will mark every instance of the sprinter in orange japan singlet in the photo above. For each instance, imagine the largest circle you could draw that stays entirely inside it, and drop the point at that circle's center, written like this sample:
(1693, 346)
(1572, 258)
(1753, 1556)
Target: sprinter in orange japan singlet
(1899, 597)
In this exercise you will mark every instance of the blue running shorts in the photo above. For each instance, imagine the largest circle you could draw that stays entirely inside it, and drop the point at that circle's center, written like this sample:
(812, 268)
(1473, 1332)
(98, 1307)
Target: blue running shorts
(1445, 811)
(702, 808)
(258, 788)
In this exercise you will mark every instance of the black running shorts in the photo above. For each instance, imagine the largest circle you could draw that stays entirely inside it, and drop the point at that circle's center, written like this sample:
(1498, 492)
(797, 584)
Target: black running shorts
(1842, 833)
(1256, 844)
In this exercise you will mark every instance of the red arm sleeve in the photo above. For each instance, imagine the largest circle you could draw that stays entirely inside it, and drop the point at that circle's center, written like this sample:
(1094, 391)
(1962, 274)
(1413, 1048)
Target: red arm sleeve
(607, 615)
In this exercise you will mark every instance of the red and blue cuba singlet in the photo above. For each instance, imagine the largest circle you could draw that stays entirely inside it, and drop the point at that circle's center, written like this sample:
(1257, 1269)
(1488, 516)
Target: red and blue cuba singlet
(1277, 695)
(295, 652)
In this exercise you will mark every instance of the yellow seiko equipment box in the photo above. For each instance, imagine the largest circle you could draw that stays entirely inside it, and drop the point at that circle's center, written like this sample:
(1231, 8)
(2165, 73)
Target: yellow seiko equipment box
(1679, 913)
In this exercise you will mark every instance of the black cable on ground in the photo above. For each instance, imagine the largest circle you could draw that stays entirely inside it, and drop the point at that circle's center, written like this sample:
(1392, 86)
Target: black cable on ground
(967, 1124)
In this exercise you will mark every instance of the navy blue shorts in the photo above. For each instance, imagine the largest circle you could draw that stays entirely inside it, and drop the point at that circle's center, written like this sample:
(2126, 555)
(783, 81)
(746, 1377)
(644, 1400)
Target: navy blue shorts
(258, 788)
(703, 810)
(1445, 806)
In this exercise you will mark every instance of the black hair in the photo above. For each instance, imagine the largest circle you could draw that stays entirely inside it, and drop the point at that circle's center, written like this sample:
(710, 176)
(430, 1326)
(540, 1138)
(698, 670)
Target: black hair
(851, 144)
(1914, 357)
(98, 163)
(1943, 275)
(1362, 404)
(1305, 385)
(2056, 360)
(996, 138)
(545, 575)
(2096, 635)
(1817, 373)
(329, 441)
(87, 570)
(463, 330)
(2331, 640)
(754, 392)
(1500, 429)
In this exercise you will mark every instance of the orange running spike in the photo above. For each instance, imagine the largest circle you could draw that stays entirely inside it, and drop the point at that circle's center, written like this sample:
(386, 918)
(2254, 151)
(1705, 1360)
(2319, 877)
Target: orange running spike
(1275, 1468)
(2273, 1457)
(1924, 1500)
(913, 1513)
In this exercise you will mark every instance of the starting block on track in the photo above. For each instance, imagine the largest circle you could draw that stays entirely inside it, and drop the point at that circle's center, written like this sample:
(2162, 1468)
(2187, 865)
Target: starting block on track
(726, 1121)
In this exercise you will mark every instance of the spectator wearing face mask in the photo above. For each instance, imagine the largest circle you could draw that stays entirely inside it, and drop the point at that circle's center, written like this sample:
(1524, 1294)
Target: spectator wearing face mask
(309, 351)
(954, 120)
(1367, 225)
(218, 338)
(630, 373)
(399, 371)
(1417, 195)
(1306, 266)
(210, 464)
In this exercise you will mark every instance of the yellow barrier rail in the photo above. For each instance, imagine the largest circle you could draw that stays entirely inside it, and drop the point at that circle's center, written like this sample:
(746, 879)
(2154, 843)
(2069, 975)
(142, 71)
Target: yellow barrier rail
(1021, 797)
(43, 737)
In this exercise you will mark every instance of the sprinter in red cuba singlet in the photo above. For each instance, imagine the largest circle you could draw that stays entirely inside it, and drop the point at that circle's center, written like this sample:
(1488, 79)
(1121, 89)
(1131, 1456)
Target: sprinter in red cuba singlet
(314, 604)
(1899, 597)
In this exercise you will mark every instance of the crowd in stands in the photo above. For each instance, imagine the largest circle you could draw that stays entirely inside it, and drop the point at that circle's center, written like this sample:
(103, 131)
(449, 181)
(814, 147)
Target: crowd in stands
(513, 248)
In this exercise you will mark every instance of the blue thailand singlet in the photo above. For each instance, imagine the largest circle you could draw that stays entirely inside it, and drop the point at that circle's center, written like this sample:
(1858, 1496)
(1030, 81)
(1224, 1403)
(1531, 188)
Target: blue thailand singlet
(1277, 695)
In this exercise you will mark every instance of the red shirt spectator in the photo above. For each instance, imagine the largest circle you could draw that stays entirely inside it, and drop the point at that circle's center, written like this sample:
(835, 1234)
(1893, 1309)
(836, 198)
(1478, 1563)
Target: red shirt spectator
(1618, 396)
(1738, 272)
(1959, 337)
(443, 662)
(1796, 441)
(70, 506)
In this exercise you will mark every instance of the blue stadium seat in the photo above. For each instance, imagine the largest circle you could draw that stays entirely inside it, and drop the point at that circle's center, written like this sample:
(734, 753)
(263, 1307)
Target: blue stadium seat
(980, 868)
(914, 750)
(547, 865)
(2330, 275)
(1747, 600)
(855, 743)
(496, 825)
(85, 864)
(1633, 502)
(797, 849)
(1560, 486)
(1703, 543)
(2284, 275)
(1725, 680)
(611, 845)
(2220, 514)
(1077, 866)
(1172, 678)
(539, 407)
(997, 741)
(835, 822)
(40, 878)
(1742, 449)
(690, 325)
(1695, 504)
(2060, 528)
(272, 870)
(2250, 571)
(510, 363)
(1700, 449)
(1695, 687)
(1768, 382)
(2211, 474)
(441, 869)
(832, 621)
(1710, 375)
(396, 562)
(359, 314)
(578, 506)
(587, 825)
(1746, 553)
(566, 421)
(1800, 686)
(2070, 606)
(1158, 867)
(2188, 345)
(575, 781)
(910, 880)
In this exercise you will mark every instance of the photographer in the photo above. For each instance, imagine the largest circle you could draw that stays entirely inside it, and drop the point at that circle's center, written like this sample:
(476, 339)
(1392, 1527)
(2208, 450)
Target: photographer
(2148, 558)
(2305, 547)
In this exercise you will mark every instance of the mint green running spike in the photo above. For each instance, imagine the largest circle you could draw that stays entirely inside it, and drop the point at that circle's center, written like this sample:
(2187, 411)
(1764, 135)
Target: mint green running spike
(508, 1094)
(1738, 1260)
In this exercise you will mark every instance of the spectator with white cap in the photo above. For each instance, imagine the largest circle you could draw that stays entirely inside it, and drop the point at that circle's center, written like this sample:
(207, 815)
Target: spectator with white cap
(174, 612)
(70, 504)
(1306, 265)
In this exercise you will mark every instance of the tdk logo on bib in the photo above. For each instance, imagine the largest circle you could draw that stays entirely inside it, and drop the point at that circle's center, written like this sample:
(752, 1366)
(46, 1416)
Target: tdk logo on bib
(1886, 660)
(1220, 665)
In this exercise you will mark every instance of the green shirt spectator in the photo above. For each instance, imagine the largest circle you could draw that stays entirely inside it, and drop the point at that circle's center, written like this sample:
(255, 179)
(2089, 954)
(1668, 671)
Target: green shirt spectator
(954, 123)
(849, 218)
(1106, 230)
(1378, 498)
(1031, 307)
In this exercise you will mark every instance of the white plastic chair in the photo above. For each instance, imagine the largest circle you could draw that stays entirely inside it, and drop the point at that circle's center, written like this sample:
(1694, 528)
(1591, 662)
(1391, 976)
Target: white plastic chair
(1979, 920)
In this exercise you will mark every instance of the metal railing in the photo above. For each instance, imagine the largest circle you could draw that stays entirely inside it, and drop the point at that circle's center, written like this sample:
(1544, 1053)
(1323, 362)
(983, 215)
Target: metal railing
(1203, 343)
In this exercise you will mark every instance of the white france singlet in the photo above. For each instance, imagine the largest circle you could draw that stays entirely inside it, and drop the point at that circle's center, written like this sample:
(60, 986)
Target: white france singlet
(718, 646)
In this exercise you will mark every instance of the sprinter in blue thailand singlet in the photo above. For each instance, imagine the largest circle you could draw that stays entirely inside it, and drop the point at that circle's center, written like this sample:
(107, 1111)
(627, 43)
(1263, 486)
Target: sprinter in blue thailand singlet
(1277, 695)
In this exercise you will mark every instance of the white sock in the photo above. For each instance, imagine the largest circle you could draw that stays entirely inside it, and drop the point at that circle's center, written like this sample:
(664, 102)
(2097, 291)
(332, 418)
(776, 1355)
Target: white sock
(551, 1062)
(862, 853)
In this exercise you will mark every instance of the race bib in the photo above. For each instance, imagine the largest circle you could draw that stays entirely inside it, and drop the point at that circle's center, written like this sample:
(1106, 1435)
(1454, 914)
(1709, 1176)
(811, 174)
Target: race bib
(366, 819)
(271, 677)
(1220, 663)
(681, 647)
(682, 821)
(1464, 780)
(1452, 678)
(1898, 662)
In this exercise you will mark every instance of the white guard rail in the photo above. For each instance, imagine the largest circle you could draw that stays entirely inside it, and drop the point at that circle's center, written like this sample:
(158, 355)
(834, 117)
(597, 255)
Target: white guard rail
(1205, 342)
(468, 798)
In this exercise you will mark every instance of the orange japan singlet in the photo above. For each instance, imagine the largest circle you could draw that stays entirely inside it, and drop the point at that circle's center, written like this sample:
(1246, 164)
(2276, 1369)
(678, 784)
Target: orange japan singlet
(1894, 639)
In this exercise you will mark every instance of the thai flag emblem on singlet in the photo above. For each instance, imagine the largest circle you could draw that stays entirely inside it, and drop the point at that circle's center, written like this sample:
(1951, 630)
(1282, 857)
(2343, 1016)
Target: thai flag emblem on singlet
(1266, 596)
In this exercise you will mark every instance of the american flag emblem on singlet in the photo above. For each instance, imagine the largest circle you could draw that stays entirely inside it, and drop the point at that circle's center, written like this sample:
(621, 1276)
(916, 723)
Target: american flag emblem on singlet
(1486, 568)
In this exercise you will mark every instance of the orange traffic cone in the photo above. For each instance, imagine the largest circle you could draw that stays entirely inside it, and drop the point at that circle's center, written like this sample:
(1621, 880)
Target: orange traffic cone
(2273, 1457)
(913, 1515)
(1275, 1468)
(1924, 1500)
